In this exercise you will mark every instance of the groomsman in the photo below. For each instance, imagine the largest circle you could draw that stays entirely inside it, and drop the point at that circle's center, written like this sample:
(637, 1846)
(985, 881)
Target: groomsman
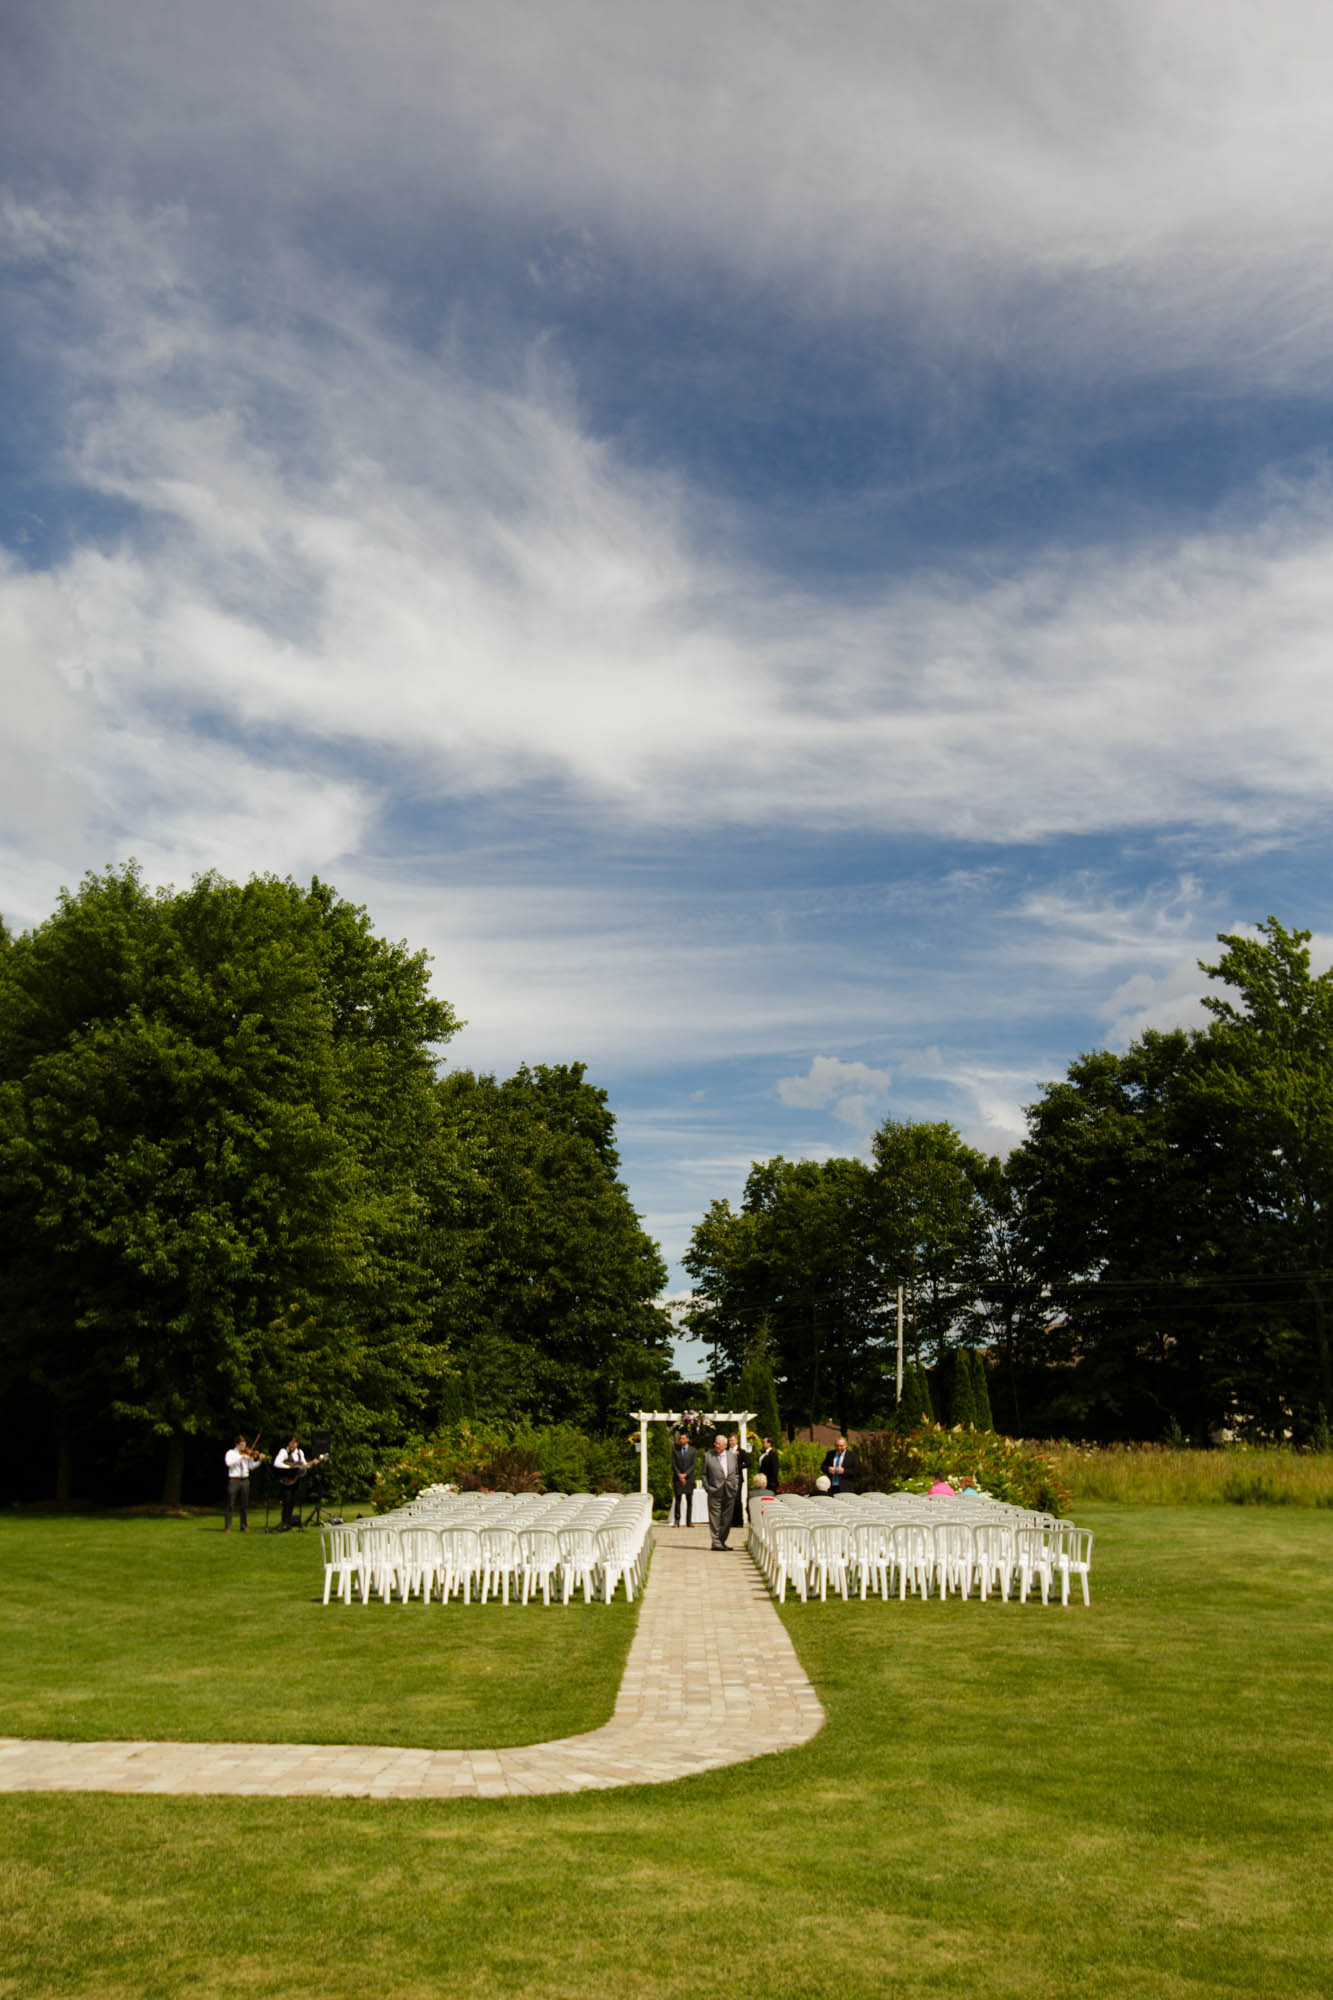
(770, 1465)
(684, 1458)
(741, 1460)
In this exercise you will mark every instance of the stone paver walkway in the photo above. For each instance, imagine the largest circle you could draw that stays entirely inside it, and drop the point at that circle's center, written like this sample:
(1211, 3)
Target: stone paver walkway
(711, 1679)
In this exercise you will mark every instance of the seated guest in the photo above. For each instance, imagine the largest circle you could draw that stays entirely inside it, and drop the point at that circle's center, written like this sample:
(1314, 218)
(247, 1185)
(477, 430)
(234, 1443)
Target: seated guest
(822, 1485)
(941, 1490)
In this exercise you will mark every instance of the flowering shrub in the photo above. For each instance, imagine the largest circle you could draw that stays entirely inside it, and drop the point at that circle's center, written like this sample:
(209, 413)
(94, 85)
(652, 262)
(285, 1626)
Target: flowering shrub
(526, 1459)
(1007, 1468)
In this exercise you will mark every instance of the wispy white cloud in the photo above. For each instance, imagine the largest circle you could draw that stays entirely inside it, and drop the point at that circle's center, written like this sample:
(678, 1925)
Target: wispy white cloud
(371, 548)
(354, 564)
(1110, 185)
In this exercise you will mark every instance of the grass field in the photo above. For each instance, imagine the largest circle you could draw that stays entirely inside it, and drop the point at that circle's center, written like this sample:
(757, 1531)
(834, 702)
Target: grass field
(1157, 1476)
(1006, 1801)
(169, 1628)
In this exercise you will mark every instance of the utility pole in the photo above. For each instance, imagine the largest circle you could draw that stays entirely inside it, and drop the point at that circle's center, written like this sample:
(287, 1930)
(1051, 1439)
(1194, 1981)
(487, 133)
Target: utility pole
(900, 1343)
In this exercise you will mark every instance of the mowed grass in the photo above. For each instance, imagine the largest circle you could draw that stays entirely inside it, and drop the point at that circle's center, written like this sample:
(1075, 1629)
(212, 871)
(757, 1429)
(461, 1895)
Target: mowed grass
(114, 1627)
(1006, 1801)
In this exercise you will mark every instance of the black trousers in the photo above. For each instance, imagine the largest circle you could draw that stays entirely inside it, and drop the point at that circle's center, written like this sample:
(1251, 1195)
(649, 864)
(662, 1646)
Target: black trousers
(238, 1495)
(289, 1494)
(682, 1502)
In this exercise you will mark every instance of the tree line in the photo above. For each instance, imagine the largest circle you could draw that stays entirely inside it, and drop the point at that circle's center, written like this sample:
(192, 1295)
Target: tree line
(1152, 1261)
(238, 1186)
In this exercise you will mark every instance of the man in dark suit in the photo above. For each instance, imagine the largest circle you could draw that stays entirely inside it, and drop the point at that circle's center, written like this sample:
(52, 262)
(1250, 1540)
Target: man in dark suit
(843, 1467)
(741, 1460)
(684, 1458)
(722, 1482)
(770, 1465)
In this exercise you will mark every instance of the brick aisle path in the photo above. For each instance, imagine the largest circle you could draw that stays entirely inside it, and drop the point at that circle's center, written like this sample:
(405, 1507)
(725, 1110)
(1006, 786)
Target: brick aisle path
(711, 1679)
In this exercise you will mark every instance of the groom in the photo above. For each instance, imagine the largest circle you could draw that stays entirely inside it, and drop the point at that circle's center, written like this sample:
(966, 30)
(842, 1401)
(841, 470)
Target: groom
(722, 1481)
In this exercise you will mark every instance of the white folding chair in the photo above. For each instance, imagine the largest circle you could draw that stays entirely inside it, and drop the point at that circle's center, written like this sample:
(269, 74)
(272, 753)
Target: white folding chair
(1036, 1550)
(421, 1563)
(461, 1551)
(1074, 1558)
(828, 1559)
(342, 1559)
(869, 1556)
(910, 1553)
(381, 1560)
(616, 1554)
(579, 1562)
(501, 1558)
(540, 1550)
(994, 1546)
(791, 1560)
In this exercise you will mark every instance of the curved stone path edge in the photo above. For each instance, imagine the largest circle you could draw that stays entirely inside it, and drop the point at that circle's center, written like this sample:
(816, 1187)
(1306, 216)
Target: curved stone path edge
(711, 1679)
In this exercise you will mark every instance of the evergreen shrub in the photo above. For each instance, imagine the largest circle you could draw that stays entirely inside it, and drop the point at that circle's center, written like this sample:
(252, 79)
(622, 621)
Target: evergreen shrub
(962, 1407)
(981, 1408)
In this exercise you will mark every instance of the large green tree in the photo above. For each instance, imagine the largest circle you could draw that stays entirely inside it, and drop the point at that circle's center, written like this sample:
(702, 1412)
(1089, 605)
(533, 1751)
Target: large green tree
(213, 1104)
(1270, 1082)
(931, 1220)
(1177, 1204)
(1005, 1301)
(548, 1303)
(797, 1263)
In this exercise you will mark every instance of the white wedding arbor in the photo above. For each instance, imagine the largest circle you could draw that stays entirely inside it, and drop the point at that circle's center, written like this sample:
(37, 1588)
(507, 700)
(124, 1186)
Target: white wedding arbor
(724, 1418)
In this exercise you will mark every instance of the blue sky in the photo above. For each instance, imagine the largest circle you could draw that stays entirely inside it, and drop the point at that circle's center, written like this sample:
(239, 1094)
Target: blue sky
(792, 549)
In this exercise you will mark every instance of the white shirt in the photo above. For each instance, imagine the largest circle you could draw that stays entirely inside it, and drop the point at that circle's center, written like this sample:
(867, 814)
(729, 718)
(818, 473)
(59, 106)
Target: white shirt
(238, 1465)
(286, 1457)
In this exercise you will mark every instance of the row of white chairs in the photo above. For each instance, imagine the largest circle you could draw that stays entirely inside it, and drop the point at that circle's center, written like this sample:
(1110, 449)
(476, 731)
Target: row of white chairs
(461, 1552)
(985, 1547)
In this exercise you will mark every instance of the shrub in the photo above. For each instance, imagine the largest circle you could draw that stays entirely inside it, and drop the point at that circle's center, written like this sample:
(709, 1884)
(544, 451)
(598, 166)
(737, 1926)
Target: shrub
(511, 1468)
(798, 1458)
(1008, 1468)
(561, 1451)
(449, 1458)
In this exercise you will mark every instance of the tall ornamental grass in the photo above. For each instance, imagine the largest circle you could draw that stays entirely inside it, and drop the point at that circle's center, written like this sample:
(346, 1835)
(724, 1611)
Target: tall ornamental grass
(1168, 1476)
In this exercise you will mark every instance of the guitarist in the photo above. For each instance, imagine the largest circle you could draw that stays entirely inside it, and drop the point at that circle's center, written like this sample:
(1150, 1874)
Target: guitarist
(290, 1466)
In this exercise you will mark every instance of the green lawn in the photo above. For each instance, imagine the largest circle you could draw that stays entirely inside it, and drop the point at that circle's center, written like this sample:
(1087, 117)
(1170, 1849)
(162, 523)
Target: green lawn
(169, 1628)
(1006, 1801)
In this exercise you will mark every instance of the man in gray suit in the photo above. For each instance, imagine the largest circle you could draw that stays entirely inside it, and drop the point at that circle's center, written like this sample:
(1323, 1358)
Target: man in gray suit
(722, 1482)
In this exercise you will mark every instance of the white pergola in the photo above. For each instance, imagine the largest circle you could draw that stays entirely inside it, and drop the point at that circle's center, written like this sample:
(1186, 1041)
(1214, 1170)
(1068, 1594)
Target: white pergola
(646, 1417)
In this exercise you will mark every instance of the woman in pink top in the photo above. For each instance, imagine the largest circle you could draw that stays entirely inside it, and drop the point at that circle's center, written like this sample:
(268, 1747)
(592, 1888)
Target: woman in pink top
(941, 1490)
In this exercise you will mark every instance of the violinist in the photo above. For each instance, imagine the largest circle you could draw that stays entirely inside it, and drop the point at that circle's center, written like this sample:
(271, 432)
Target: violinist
(238, 1462)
